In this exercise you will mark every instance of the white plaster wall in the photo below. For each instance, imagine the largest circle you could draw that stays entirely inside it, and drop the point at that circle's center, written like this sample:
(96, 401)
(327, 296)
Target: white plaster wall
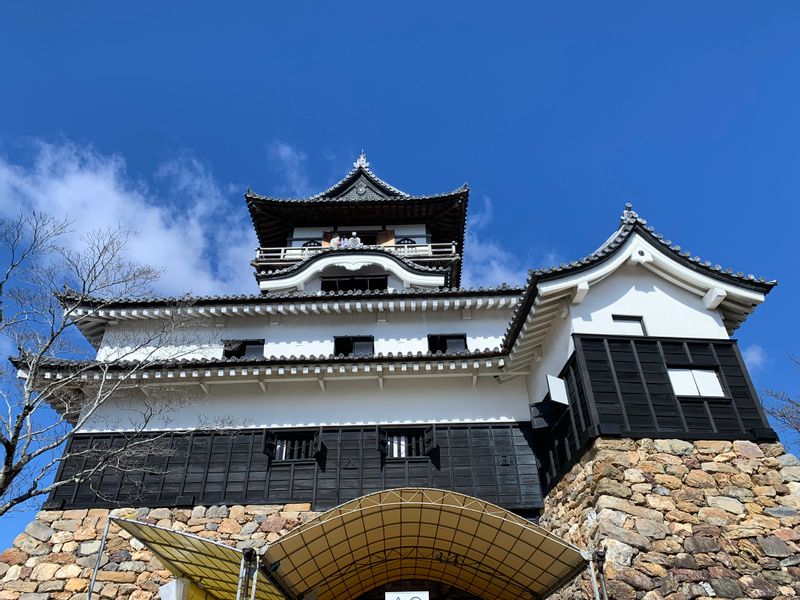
(668, 310)
(308, 334)
(556, 350)
(422, 399)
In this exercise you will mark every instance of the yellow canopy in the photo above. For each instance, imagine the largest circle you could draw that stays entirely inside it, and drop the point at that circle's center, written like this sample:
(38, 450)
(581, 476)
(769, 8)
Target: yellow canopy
(418, 533)
(212, 567)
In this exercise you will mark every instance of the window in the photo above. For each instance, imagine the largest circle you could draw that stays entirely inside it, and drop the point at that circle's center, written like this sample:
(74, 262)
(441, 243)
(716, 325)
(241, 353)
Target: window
(628, 325)
(407, 443)
(357, 345)
(298, 445)
(312, 244)
(406, 241)
(447, 342)
(696, 382)
(242, 348)
(351, 284)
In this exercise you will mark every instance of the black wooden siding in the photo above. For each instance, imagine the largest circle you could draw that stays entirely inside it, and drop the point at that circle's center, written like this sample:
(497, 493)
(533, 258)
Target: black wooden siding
(493, 462)
(618, 385)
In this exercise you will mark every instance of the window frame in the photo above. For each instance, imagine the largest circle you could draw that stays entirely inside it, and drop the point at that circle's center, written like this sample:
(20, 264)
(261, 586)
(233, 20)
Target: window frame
(337, 339)
(443, 337)
(617, 318)
(384, 283)
(247, 344)
(691, 369)
(275, 439)
(423, 437)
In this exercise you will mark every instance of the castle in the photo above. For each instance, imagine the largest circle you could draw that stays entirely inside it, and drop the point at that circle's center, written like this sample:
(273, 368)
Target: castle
(364, 426)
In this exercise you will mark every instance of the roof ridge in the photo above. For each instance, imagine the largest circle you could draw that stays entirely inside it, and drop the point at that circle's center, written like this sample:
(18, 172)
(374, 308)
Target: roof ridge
(360, 165)
(629, 220)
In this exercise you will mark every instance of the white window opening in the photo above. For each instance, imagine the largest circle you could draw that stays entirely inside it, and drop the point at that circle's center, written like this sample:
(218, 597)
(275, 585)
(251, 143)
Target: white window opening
(628, 325)
(696, 382)
(397, 446)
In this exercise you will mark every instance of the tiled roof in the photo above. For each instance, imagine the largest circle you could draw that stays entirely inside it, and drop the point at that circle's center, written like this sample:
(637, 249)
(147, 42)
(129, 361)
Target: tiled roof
(630, 222)
(57, 363)
(283, 297)
(360, 167)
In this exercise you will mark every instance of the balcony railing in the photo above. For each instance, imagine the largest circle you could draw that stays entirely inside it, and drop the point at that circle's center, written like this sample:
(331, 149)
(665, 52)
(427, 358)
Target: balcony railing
(415, 252)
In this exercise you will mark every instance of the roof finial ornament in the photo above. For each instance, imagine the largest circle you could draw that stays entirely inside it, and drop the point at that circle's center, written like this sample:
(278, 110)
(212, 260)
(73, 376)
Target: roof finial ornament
(361, 161)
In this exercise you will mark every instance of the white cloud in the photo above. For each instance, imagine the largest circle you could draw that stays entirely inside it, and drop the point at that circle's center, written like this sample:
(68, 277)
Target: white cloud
(184, 222)
(487, 262)
(290, 163)
(755, 357)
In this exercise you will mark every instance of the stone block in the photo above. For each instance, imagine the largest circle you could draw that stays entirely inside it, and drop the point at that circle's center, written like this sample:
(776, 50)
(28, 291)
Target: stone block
(160, 513)
(747, 449)
(651, 529)
(790, 473)
(116, 576)
(758, 587)
(617, 552)
(726, 503)
(273, 524)
(626, 536)
(13, 556)
(69, 572)
(44, 571)
(66, 525)
(700, 544)
(619, 590)
(77, 514)
(627, 507)
(217, 512)
(39, 531)
(676, 447)
(298, 507)
(660, 503)
(774, 546)
(87, 548)
(229, 526)
(76, 585)
(54, 585)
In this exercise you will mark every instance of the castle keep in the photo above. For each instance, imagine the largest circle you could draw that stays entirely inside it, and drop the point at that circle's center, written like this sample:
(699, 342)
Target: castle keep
(363, 425)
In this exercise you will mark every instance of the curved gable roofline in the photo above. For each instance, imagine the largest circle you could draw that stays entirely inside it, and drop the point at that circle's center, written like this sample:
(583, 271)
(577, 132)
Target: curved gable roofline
(631, 225)
(360, 167)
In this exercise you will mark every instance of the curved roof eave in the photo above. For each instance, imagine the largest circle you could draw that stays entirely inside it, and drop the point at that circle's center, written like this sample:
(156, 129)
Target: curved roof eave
(403, 262)
(631, 223)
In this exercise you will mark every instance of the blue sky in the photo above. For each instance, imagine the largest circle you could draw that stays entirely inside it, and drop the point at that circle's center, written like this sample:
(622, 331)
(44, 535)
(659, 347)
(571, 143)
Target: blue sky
(161, 115)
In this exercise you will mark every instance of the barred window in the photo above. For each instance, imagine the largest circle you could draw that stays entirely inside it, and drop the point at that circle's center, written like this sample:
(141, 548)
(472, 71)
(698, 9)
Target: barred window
(300, 445)
(407, 443)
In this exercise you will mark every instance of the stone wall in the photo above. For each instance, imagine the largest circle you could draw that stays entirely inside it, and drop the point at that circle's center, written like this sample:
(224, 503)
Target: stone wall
(54, 557)
(681, 520)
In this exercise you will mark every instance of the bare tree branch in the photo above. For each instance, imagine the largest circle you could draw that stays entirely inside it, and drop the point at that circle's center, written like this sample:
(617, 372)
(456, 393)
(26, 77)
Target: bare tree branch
(47, 292)
(785, 407)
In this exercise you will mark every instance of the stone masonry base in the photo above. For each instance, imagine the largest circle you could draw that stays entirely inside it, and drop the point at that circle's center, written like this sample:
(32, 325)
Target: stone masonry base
(54, 557)
(681, 520)
(678, 521)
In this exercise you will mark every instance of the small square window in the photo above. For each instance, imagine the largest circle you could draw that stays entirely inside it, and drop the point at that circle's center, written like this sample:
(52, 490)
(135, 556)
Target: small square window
(407, 443)
(292, 445)
(242, 348)
(696, 382)
(447, 342)
(628, 325)
(357, 345)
